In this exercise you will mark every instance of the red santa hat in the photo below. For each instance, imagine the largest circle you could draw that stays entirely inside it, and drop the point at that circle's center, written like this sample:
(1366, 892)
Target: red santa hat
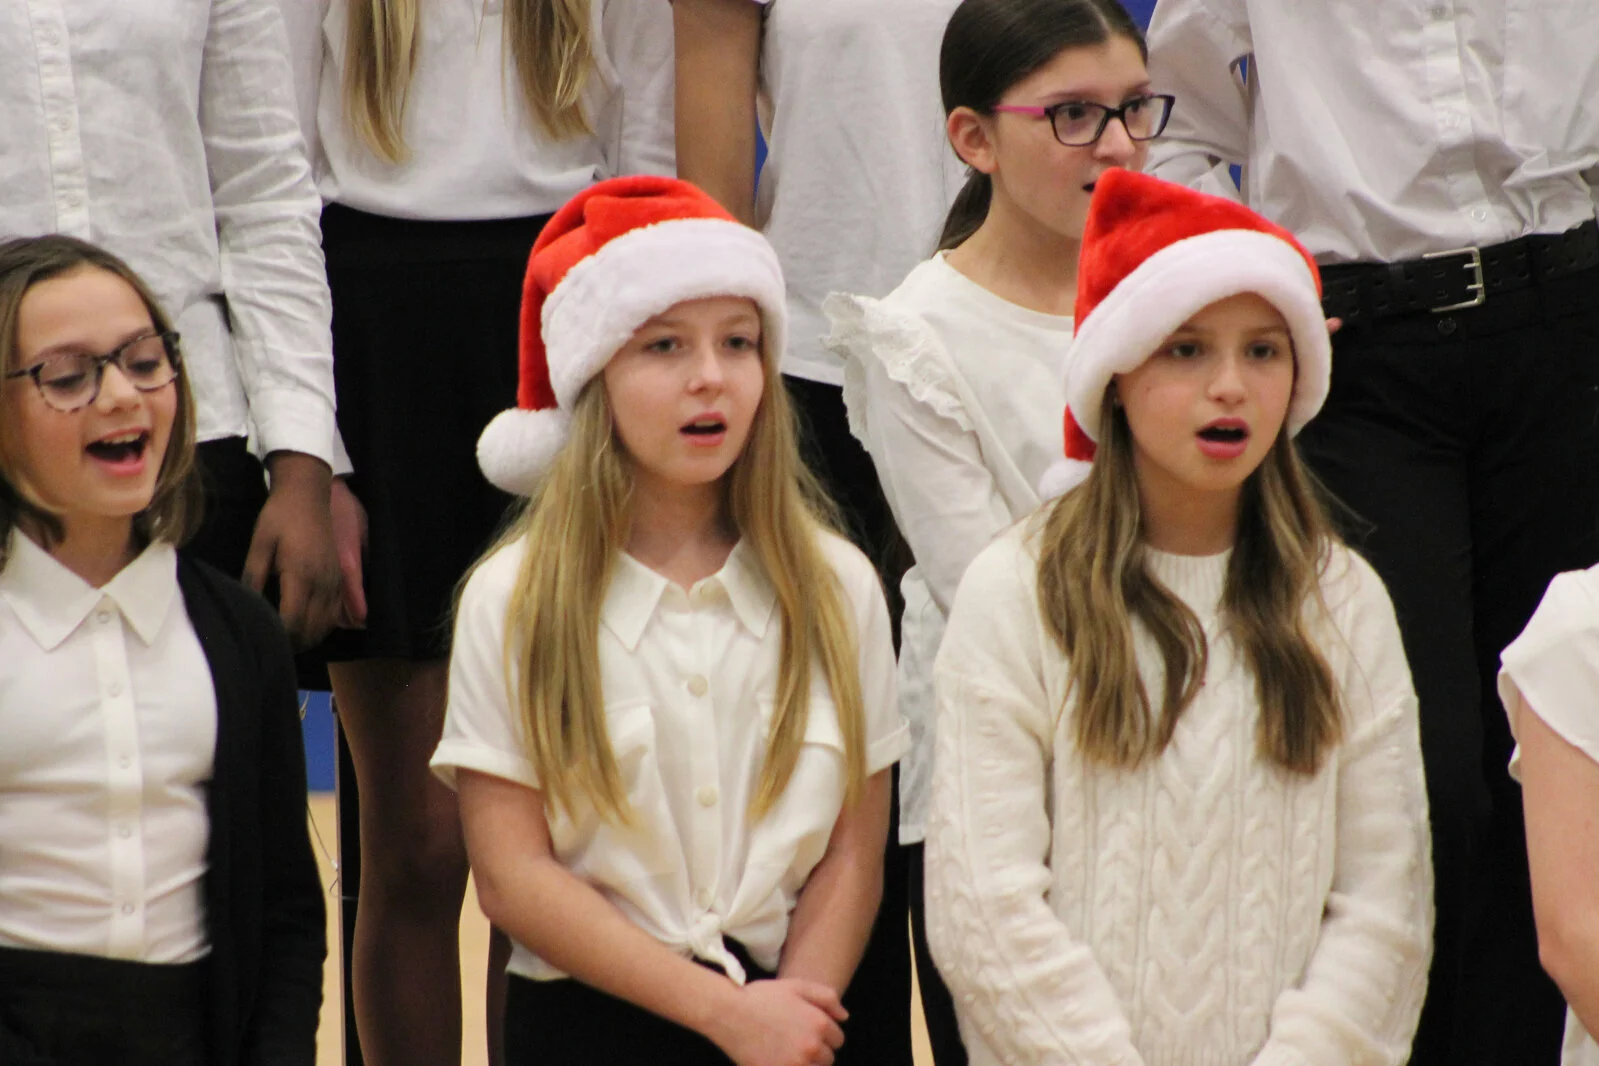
(1154, 254)
(618, 254)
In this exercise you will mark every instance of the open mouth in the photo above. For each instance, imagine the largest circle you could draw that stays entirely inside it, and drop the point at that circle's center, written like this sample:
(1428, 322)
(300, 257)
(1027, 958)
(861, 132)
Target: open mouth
(709, 426)
(121, 447)
(1225, 434)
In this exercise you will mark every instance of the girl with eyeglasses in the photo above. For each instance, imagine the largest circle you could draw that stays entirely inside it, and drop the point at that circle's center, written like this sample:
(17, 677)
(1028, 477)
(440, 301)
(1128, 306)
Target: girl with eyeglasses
(1179, 814)
(952, 381)
(159, 900)
(671, 714)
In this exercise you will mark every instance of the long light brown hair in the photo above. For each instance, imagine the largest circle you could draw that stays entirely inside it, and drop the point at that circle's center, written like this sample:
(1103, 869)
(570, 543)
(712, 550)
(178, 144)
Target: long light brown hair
(1094, 584)
(548, 40)
(173, 514)
(577, 523)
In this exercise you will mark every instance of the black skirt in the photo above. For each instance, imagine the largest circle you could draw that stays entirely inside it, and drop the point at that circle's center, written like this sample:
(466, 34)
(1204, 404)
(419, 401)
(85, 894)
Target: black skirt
(425, 322)
(58, 1009)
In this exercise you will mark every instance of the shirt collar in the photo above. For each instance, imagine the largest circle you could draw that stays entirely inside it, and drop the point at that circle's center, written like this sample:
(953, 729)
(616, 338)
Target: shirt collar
(52, 602)
(636, 591)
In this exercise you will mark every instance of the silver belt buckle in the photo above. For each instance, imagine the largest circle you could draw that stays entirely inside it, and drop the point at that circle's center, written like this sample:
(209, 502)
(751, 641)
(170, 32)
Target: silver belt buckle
(1475, 286)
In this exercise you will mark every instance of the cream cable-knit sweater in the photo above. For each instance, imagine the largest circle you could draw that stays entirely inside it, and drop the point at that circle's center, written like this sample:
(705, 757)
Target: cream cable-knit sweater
(1206, 909)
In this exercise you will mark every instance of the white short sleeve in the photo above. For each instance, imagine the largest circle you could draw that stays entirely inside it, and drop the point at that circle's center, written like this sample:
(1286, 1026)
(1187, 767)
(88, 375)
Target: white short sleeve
(888, 737)
(1553, 666)
(482, 728)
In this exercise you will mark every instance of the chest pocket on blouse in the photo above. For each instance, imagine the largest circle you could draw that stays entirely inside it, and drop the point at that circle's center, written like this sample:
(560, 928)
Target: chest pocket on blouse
(795, 832)
(615, 853)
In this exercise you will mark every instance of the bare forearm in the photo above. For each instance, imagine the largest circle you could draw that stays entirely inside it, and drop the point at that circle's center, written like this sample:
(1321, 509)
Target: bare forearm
(718, 54)
(576, 929)
(833, 917)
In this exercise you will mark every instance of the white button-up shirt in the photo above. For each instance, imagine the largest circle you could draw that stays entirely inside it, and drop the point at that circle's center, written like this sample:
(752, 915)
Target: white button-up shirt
(165, 131)
(475, 152)
(108, 717)
(1381, 130)
(690, 679)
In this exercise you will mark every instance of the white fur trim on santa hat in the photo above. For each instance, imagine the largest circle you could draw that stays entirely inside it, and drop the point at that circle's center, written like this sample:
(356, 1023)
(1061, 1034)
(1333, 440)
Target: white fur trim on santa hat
(605, 298)
(1181, 279)
(517, 447)
(1062, 476)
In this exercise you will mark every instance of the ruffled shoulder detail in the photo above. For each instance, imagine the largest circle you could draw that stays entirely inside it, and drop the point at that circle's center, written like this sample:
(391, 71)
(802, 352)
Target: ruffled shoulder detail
(867, 329)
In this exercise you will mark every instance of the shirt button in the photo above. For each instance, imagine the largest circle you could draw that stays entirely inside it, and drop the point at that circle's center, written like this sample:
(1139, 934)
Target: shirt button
(124, 832)
(115, 688)
(698, 686)
(125, 762)
(1438, 13)
(102, 616)
(707, 796)
(702, 898)
(1479, 213)
(127, 908)
(62, 124)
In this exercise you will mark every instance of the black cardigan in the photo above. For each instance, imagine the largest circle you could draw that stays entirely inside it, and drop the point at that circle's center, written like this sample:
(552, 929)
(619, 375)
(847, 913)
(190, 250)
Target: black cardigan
(264, 908)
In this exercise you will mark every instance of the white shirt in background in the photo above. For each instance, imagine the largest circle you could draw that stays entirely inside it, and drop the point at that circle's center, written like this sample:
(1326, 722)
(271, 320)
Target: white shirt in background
(1381, 131)
(165, 131)
(956, 394)
(1553, 667)
(475, 150)
(110, 720)
(859, 174)
(690, 678)
(1205, 907)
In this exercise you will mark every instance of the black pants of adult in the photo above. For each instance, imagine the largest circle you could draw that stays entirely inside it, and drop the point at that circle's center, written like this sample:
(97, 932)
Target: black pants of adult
(235, 489)
(58, 1009)
(1468, 442)
(879, 998)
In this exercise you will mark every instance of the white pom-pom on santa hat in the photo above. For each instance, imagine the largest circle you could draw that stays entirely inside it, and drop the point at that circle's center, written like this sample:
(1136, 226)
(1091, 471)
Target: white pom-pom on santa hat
(618, 254)
(1155, 254)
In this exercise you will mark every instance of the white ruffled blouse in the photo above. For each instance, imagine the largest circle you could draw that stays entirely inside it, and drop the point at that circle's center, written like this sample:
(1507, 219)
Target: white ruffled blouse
(956, 394)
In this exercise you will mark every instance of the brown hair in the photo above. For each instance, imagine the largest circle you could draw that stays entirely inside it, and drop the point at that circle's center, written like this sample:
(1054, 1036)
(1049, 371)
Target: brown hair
(1094, 583)
(174, 511)
(549, 40)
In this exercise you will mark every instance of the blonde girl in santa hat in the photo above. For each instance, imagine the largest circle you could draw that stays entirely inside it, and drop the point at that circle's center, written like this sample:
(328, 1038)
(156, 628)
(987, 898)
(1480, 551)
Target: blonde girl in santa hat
(953, 381)
(671, 711)
(1178, 811)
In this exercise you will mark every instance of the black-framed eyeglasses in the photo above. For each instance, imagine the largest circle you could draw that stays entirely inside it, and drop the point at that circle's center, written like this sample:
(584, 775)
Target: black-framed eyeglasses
(1080, 123)
(72, 380)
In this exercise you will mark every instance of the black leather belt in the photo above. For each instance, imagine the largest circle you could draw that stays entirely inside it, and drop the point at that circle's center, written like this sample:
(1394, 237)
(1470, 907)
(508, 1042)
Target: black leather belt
(1458, 279)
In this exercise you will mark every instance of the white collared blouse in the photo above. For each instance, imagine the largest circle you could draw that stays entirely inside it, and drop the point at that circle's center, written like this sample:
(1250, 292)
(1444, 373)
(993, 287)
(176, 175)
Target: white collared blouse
(690, 678)
(109, 721)
(165, 130)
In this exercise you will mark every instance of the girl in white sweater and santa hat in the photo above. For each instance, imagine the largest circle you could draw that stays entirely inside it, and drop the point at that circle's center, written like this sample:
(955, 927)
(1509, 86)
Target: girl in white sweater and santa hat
(1178, 811)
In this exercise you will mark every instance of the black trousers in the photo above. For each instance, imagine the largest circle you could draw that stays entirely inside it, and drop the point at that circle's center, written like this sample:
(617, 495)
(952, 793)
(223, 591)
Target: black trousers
(58, 1009)
(879, 998)
(1468, 442)
(569, 1023)
(938, 1006)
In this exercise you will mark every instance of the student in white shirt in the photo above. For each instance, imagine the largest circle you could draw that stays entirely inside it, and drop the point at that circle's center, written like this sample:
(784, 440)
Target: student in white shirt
(1549, 683)
(445, 133)
(671, 714)
(953, 381)
(857, 179)
(1441, 161)
(159, 902)
(1178, 810)
(164, 130)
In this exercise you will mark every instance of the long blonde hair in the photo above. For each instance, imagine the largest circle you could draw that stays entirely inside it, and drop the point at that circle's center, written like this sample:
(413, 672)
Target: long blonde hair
(576, 525)
(1094, 582)
(549, 40)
